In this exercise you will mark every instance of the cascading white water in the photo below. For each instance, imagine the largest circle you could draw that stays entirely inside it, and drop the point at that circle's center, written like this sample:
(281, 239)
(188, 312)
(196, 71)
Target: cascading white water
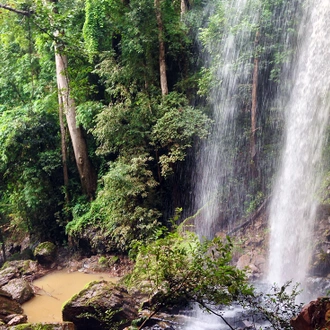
(293, 205)
(215, 175)
(294, 201)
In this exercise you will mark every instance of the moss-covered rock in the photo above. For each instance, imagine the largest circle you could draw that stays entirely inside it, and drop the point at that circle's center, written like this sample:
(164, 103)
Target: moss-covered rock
(101, 305)
(45, 253)
(45, 326)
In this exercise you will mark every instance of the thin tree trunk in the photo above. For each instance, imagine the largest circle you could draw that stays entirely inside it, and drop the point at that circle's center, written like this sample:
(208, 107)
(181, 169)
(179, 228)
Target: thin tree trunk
(184, 8)
(254, 104)
(3, 248)
(67, 106)
(64, 150)
(162, 62)
(2, 242)
(85, 169)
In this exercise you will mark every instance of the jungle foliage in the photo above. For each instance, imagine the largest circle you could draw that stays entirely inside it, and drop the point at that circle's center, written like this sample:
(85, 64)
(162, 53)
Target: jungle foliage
(138, 138)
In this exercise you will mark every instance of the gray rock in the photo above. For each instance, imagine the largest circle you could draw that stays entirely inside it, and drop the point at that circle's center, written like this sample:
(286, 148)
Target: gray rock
(17, 268)
(17, 319)
(8, 306)
(7, 274)
(20, 290)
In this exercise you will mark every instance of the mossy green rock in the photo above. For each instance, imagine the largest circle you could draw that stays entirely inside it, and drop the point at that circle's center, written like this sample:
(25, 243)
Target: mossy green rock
(44, 326)
(102, 305)
(45, 253)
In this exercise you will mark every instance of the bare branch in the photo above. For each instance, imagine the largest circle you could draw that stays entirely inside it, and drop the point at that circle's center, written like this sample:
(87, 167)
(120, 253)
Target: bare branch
(17, 11)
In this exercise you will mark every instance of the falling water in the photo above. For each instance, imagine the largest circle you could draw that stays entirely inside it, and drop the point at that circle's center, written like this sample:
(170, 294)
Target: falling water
(224, 182)
(293, 206)
(220, 189)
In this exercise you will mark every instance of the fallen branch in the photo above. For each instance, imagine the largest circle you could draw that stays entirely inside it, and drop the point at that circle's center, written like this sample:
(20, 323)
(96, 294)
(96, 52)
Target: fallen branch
(36, 291)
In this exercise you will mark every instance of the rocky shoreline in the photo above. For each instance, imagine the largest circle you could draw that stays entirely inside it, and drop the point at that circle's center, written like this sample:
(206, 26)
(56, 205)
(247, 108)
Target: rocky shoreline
(17, 276)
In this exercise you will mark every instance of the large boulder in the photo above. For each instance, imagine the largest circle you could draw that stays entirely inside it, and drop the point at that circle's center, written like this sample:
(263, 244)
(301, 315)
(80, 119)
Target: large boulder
(8, 306)
(18, 268)
(20, 290)
(8, 273)
(313, 316)
(102, 305)
(45, 253)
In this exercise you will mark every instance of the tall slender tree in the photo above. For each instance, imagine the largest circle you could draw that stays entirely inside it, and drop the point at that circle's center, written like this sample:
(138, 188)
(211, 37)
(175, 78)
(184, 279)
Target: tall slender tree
(162, 61)
(68, 108)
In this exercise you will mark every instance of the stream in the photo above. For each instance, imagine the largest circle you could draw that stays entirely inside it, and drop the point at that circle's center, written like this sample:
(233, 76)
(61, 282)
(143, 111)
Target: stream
(53, 290)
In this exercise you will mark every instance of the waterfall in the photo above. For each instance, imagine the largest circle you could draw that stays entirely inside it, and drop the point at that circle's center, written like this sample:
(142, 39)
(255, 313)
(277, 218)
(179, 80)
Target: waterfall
(295, 106)
(294, 201)
(221, 188)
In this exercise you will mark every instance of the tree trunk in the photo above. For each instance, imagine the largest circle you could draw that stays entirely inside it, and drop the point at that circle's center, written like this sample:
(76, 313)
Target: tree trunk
(85, 169)
(67, 106)
(64, 149)
(254, 105)
(162, 62)
(184, 8)
(3, 246)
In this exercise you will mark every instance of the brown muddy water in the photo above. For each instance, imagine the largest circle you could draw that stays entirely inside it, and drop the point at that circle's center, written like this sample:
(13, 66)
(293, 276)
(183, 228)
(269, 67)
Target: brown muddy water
(54, 290)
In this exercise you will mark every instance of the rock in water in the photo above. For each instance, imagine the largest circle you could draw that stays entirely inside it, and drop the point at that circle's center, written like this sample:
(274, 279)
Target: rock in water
(102, 305)
(20, 290)
(8, 306)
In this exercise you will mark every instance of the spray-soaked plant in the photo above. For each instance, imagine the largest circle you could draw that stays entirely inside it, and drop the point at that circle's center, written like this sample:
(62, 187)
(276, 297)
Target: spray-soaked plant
(277, 307)
(179, 268)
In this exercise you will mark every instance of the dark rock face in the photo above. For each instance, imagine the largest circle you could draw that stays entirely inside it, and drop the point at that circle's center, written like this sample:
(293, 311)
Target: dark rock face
(20, 290)
(102, 305)
(45, 253)
(315, 315)
(8, 306)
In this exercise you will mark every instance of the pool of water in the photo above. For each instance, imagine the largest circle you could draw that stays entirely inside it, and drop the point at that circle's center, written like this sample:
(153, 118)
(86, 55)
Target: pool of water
(53, 290)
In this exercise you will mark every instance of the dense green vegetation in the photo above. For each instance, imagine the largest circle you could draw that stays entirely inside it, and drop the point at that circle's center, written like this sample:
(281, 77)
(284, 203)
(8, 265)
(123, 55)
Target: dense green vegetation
(110, 110)
(103, 103)
(136, 135)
